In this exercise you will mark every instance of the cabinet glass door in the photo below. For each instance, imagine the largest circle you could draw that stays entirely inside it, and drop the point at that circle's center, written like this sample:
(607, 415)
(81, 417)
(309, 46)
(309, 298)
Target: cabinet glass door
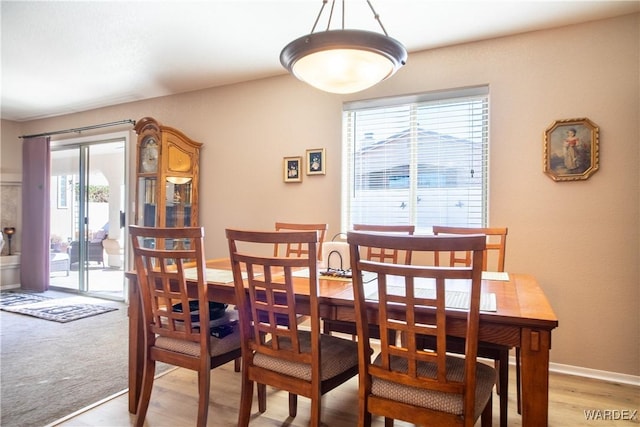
(147, 194)
(178, 211)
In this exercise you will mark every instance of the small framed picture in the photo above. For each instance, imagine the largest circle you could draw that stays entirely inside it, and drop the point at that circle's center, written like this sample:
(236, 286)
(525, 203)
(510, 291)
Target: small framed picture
(316, 162)
(292, 169)
(571, 149)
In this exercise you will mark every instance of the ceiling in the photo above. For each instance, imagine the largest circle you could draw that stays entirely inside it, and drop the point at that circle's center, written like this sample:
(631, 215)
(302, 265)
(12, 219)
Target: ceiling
(65, 57)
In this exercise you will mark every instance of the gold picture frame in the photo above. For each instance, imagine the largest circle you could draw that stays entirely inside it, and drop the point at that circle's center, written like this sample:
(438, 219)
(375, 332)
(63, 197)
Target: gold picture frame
(292, 169)
(316, 161)
(571, 149)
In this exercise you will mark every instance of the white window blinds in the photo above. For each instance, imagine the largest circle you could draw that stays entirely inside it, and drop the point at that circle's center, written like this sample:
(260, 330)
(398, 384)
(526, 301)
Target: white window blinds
(419, 159)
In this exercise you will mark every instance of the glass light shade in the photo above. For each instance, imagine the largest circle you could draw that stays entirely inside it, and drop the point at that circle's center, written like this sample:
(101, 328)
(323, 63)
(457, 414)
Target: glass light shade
(343, 61)
(178, 179)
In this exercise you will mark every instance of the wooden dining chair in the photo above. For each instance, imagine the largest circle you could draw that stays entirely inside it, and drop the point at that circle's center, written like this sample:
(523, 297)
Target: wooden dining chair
(405, 382)
(276, 353)
(293, 250)
(496, 246)
(176, 326)
(298, 249)
(492, 260)
(372, 254)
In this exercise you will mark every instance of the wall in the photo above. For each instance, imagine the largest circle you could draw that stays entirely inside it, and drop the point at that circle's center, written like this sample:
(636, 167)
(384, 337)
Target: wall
(11, 192)
(579, 239)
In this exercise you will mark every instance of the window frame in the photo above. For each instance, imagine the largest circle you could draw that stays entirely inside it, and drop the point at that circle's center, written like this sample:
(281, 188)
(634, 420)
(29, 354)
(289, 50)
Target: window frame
(349, 130)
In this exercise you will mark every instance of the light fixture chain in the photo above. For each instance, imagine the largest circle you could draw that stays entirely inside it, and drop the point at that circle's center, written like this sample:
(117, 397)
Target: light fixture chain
(377, 18)
(324, 2)
(333, 5)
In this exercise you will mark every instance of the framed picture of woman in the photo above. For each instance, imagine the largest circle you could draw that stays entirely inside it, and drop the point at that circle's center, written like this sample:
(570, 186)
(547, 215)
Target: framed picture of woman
(292, 169)
(571, 149)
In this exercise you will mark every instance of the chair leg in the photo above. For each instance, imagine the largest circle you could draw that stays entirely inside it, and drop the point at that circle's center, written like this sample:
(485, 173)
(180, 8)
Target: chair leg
(293, 405)
(204, 380)
(518, 385)
(388, 422)
(326, 329)
(246, 399)
(262, 398)
(503, 379)
(316, 406)
(364, 416)
(145, 391)
(236, 364)
(486, 419)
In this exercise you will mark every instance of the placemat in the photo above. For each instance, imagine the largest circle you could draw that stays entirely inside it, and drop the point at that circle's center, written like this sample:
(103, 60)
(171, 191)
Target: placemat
(495, 275)
(453, 299)
(212, 275)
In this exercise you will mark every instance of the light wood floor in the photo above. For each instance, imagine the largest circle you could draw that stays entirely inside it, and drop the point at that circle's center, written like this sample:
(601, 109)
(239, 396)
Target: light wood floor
(174, 403)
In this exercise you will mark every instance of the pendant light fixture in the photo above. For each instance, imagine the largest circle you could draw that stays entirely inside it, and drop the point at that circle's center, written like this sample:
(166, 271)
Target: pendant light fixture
(343, 61)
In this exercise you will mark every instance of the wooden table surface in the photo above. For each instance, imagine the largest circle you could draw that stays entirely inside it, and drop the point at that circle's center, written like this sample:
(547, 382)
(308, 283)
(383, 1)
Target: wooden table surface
(524, 319)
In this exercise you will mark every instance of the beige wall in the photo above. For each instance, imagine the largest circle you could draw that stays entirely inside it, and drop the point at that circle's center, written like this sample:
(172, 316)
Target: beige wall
(10, 188)
(580, 239)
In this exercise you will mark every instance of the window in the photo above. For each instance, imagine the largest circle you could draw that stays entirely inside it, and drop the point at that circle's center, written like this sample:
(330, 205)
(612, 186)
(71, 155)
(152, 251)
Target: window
(419, 159)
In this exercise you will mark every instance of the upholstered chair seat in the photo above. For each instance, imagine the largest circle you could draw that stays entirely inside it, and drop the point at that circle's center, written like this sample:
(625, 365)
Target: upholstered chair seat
(218, 345)
(336, 355)
(436, 400)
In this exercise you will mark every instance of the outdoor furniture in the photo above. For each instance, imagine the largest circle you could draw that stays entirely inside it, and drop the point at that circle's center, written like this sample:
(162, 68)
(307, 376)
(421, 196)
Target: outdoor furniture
(59, 261)
(94, 252)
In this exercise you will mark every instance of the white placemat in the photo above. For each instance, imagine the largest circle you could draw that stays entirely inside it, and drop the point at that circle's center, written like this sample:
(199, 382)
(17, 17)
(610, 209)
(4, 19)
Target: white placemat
(301, 273)
(495, 275)
(212, 275)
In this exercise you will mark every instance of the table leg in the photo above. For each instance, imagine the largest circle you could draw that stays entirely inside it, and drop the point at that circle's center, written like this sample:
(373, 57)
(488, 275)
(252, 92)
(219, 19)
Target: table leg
(136, 343)
(534, 354)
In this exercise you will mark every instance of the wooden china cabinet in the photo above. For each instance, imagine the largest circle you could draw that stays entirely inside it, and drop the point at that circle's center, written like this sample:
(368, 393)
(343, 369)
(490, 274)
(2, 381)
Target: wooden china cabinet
(167, 174)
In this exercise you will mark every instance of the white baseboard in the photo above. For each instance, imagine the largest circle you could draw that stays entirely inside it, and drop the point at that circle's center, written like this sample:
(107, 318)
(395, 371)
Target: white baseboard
(579, 371)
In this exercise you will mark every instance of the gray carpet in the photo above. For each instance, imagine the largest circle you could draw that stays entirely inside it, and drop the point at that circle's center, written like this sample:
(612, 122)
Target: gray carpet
(49, 369)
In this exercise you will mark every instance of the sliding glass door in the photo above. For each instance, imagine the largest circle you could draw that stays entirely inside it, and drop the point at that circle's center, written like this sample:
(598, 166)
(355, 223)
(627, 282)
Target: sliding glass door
(87, 218)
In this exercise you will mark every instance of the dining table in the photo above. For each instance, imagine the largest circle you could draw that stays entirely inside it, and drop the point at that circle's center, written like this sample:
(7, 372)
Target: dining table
(520, 316)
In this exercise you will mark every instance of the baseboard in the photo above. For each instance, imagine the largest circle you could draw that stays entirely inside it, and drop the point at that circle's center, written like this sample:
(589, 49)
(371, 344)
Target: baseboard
(86, 408)
(100, 402)
(579, 371)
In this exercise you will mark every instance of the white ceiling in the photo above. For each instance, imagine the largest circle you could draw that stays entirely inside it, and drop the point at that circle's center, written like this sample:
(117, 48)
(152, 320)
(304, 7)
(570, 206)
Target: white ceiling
(64, 57)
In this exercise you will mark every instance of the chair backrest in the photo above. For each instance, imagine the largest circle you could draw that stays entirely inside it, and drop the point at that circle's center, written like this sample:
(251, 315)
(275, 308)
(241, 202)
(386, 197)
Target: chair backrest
(296, 249)
(411, 300)
(265, 290)
(496, 244)
(168, 311)
(385, 254)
